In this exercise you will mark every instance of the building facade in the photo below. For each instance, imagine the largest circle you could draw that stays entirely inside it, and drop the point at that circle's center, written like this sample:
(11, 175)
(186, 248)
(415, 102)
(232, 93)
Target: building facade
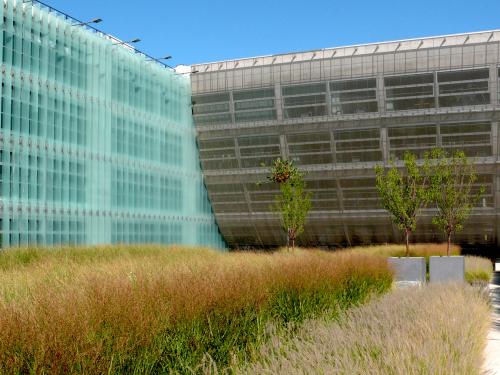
(97, 143)
(337, 113)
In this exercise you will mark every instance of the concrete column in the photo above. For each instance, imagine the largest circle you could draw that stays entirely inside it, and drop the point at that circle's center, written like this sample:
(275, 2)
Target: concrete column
(494, 138)
(436, 91)
(278, 101)
(340, 198)
(237, 151)
(328, 100)
(384, 144)
(381, 93)
(494, 85)
(439, 141)
(333, 147)
(231, 107)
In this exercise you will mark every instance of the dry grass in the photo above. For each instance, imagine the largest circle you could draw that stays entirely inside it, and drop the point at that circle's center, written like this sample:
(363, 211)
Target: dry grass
(478, 269)
(398, 250)
(146, 309)
(432, 330)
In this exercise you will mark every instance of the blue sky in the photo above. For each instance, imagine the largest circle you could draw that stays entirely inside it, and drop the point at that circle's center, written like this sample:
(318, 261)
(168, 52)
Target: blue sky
(198, 31)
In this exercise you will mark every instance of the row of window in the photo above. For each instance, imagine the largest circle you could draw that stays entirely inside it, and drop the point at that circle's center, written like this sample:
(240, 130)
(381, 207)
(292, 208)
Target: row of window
(405, 92)
(138, 139)
(41, 178)
(326, 195)
(142, 190)
(345, 146)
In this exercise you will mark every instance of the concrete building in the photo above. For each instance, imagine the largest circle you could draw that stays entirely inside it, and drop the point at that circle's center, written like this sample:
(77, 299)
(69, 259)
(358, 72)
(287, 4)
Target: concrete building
(97, 143)
(337, 112)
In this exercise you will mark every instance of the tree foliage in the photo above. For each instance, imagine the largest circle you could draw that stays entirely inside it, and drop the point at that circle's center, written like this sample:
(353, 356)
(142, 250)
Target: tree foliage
(453, 192)
(403, 193)
(282, 171)
(294, 203)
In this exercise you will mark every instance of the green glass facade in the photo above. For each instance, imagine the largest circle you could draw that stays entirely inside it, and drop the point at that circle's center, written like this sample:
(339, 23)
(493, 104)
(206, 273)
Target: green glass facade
(97, 141)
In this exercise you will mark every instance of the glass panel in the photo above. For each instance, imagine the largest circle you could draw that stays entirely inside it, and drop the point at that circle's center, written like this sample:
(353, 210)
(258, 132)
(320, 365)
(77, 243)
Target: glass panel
(472, 88)
(312, 159)
(409, 91)
(304, 100)
(304, 112)
(216, 143)
(356, 157)
(259, 140)
(310, 137)
(255, 116)
(303, 89)
(255, 104)
(253, 94)
(358, 145)
(353, 96)
(463, 87)
(468, 127)
(406, 104)
(102, 147)
(352, 108)
(211, 108)
(355, 84)
(415, 79)
(356, 134)
(309, 148)
(463, 75)
(464, 100)
(211, 98)
(411, 131)
(222, 118)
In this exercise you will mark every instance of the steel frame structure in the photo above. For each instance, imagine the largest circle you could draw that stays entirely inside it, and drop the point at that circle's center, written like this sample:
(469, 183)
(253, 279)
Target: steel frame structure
(338, 112)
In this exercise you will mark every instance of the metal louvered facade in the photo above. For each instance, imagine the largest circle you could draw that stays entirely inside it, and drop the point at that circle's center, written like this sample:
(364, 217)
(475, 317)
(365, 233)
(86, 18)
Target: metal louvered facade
(337, 113)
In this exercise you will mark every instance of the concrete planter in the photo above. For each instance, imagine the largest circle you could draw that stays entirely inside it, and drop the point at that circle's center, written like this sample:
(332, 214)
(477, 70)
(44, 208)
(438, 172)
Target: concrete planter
(446, 269)
(408, 271)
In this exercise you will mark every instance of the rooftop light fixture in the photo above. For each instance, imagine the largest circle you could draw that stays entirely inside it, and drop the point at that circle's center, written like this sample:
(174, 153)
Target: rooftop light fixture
(159, 58)
(136, 40)
(94, 20)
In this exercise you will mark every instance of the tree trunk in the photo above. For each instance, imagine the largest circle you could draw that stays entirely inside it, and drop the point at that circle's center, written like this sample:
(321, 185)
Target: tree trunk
(407, 235)
(448, 245)
(288, 240)
(293, 243)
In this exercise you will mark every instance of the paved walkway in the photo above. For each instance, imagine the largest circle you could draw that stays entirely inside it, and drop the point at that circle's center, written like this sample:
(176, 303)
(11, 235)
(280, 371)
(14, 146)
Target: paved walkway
(492, 353)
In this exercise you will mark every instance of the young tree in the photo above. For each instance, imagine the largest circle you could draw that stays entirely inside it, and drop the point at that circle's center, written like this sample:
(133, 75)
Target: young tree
(294, 203)
(452, 180)
(403, 193)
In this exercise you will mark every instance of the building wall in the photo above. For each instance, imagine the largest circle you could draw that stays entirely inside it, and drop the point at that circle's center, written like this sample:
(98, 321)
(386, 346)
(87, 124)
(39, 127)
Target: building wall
(97, 143)
(337, 113)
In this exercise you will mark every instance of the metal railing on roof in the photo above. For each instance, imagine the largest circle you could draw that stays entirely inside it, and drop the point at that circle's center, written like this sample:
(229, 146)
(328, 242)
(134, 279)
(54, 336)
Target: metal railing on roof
(99, 32)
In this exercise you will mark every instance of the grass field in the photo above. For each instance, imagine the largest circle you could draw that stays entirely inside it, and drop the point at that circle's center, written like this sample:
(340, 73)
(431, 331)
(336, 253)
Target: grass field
(439, 329)
(416, 250)
(147, 309)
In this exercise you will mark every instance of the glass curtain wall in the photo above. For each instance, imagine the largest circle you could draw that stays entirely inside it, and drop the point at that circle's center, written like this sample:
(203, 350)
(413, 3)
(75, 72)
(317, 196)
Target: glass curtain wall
(97, 142)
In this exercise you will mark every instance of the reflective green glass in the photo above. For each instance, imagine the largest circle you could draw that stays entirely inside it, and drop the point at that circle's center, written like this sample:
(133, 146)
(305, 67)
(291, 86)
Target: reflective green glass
(98, 141)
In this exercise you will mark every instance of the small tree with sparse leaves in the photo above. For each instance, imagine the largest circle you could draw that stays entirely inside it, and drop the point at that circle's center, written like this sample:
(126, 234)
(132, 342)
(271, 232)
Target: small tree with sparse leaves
(403, 193)
(453, 191)
(294, 203)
